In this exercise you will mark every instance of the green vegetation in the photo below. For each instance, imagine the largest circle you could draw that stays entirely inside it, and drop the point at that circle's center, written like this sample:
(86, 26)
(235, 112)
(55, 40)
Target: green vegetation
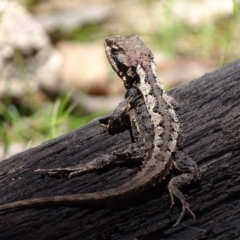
(214, 41)
(30, 3)
(51, 119)
(86, 33)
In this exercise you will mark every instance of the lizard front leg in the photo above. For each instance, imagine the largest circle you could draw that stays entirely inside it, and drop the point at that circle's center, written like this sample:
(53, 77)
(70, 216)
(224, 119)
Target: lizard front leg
(123, 108)
(100, 162)
(71, 171)
(190, 172)
(132, 152)
(115, 121)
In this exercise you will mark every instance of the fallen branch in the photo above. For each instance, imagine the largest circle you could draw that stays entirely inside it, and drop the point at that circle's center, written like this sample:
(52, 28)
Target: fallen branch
(209, 112)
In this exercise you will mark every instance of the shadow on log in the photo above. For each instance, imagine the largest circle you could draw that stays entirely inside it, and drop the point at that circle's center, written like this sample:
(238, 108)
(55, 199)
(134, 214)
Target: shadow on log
(209, 113)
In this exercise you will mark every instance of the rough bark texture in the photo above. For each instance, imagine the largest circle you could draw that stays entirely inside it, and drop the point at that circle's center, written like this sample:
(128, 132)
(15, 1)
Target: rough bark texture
(209, 112)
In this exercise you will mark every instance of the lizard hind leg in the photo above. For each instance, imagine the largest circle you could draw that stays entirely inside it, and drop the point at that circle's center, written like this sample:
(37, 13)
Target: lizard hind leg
(190, 173)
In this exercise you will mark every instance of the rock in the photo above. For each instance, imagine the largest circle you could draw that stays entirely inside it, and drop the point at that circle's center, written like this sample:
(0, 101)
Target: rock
(86, 67)
(67, 20)
(27, 59)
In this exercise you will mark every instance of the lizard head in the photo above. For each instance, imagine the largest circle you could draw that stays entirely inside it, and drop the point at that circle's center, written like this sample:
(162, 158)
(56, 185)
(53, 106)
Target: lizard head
(125, 53)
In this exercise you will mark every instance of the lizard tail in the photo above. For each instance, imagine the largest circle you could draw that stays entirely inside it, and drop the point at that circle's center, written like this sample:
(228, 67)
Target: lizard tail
(68, 200)
(128, 189)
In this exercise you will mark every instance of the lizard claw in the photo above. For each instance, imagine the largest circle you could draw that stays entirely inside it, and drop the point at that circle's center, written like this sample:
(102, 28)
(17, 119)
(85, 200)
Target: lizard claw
(185, 206)
(41, 171)
(104, 126)
(71, 174)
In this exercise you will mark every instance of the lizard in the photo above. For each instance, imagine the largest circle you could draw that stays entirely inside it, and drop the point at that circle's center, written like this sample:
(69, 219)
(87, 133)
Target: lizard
(155, 129)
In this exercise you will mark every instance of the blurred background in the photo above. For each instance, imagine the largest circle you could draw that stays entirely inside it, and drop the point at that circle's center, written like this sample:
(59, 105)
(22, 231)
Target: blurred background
(54, 75)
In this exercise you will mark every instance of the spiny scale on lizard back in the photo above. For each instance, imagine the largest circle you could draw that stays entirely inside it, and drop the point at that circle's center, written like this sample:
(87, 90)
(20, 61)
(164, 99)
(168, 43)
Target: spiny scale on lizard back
(164, 122)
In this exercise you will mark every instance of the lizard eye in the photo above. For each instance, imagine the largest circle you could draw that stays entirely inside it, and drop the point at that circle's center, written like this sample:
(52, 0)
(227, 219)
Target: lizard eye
(114, 49)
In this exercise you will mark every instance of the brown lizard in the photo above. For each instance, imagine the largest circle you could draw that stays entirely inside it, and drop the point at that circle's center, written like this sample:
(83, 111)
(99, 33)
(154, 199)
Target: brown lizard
(155, 130)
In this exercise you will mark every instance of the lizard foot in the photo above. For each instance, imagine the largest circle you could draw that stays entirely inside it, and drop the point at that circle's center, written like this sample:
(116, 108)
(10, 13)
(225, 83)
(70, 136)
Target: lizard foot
(190, 172)
(185, 206)
(175, 192)
(69, 172)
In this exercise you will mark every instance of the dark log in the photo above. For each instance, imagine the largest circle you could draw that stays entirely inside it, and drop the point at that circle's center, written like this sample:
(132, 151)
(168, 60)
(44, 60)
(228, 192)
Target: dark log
(209, 112)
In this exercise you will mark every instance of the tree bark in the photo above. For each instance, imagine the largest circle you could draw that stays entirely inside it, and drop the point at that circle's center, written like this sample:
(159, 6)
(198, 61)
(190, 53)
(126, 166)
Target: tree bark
(209, 113)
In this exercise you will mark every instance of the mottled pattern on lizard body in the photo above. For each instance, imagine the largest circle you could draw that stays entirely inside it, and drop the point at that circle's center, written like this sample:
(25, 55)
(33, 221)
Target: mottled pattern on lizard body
(155, 130)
